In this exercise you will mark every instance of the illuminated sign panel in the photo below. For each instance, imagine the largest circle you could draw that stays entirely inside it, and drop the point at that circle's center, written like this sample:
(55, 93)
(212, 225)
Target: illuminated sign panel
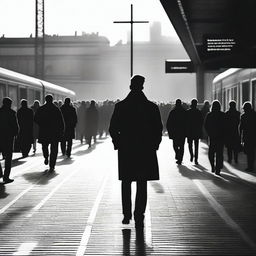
(179, 66)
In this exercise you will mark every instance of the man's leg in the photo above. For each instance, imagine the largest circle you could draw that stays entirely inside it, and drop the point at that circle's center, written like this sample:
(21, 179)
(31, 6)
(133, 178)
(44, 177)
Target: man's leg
(196, 141)
(190, 148)
(69, 147)
(140, 202)
(45, 152)
(63, 144)
(8, 165)
(126, 200)
(53, 154)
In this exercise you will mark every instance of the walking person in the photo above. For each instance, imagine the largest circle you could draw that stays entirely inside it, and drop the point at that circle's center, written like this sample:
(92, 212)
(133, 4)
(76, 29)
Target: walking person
(51, 128)
(25, 120)
(205, 110)
(215, 128)
(176, 127)
(194, 129)
(136, 131)
(232, 138)
(70, 120)
(35, 107)
(91, 123)
(8, 130)
(80, 128)
(247, 130)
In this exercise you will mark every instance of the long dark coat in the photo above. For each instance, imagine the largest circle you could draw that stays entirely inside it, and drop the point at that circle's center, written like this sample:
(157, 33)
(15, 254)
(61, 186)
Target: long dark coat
(247, 129)
(194, 123)
(176, 123)
(70, 120)
(232, 120)
(136, 131)
(215, 125)
(81, 113)
(25, 117)
(51, 124)
(91, 121)
(8, 129)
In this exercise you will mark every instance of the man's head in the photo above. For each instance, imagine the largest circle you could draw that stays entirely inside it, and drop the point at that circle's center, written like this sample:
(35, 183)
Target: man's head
(48, 98)
(67, 101)
(7, 102)
(137, 82)
(194, 103)
(178, 103)
(24, 103)
(247, 106)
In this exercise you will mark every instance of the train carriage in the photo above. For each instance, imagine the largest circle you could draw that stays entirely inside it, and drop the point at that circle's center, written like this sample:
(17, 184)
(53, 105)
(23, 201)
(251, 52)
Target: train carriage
(235, 84)
(18, 86)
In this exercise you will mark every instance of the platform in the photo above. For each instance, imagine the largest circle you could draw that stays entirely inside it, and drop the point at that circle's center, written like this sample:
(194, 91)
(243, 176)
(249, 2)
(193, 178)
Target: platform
(77, 209)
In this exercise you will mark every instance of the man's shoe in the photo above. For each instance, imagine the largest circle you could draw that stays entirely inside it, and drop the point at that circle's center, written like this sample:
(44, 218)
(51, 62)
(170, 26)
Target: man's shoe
(126, 220)
(196, 162)
(6, 181)
(46, 161)
(51, 169)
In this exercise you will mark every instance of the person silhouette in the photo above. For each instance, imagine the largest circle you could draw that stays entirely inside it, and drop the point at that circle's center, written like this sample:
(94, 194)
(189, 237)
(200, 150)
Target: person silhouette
(136, 131)
(25, 118)
(176, 127)
(232, 138)
(247, 128)
(51, 129)
(215, 128)
(8, 130)
(70, 119)
(194, 129)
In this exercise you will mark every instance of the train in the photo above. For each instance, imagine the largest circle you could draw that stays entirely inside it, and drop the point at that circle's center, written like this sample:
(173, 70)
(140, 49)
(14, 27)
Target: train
(18, 86)
(236, 84)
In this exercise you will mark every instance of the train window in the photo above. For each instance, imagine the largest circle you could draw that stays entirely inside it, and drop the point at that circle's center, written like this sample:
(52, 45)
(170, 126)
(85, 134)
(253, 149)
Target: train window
(2, 92)
(30, 96)
(245, 91)
(13, 94)
(254, 94)
(38, 95)
(23, 93)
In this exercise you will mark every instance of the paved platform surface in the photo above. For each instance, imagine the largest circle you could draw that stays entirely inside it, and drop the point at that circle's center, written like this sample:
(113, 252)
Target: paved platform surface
(77, 211)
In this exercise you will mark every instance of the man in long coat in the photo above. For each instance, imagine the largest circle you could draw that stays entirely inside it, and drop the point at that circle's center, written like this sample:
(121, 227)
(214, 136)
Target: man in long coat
(25, 117)
(194, 127)
(176, 127)
(136, 131)
(247, 130)
(91, 123)
(8, 130)
(51, 128)
(70, 120)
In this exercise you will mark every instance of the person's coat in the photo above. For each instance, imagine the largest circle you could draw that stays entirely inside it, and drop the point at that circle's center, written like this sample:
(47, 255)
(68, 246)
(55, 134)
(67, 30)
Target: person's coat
(8, 129)
(194, 123)
(136, 131)
(176, 123)
(232, 120)
(91, 121)
(70, 120)
(25, 117)
(51, 124)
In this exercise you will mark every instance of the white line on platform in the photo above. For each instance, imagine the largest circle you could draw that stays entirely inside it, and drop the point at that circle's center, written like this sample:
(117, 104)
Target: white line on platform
(224, 215)
(25, 249)
(88, 228)
(44, 200)
(2, 210)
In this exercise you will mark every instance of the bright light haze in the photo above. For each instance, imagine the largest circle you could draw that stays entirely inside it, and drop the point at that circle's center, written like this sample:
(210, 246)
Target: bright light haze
(64, 17)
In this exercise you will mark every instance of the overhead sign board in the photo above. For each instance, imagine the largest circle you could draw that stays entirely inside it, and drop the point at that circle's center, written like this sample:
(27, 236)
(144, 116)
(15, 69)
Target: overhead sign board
(179, 66)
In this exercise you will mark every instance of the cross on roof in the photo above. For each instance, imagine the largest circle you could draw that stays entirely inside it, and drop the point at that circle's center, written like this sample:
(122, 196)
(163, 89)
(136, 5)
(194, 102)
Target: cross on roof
(131, 22)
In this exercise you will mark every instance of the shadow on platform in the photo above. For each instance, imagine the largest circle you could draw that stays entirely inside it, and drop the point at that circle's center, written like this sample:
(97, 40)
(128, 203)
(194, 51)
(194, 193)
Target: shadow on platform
(3, 194)
(41, 178)
(141, 248)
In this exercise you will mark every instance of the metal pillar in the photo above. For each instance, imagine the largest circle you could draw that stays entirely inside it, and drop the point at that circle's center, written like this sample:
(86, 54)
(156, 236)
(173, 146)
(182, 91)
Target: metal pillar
(200, 84)
(39, 40)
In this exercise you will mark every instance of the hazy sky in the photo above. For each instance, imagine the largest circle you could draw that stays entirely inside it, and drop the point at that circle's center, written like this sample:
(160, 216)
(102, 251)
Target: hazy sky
(64, 17)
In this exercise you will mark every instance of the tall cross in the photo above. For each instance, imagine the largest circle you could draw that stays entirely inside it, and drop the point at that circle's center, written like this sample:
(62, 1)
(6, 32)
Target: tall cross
(131, 22)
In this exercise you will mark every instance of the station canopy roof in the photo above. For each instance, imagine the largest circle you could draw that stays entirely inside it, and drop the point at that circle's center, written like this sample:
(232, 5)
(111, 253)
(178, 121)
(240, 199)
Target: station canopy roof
(216, 33)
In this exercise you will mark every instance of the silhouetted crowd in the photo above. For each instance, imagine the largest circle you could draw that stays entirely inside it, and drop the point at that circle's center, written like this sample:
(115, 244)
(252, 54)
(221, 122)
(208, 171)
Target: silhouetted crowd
(55, 122)
(51, 124)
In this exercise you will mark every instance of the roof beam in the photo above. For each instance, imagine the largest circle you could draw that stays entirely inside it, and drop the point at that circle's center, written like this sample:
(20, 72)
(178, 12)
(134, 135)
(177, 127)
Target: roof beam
(176, 14)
